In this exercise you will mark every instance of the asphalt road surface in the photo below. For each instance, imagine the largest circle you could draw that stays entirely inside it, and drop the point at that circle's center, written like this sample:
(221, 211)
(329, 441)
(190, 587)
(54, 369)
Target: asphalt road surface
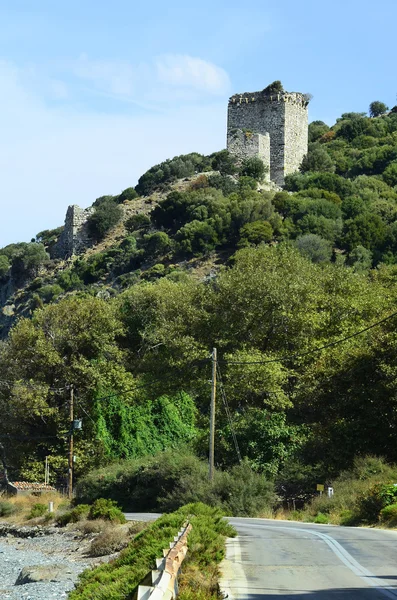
(142, 516)
(300, 561)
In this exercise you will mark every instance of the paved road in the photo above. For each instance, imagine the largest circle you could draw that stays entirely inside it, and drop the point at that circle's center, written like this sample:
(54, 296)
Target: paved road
(142, 516)
(299, 561)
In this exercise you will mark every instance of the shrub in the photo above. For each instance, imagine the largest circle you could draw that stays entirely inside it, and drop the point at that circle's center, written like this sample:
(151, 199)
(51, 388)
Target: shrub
(105, 217)
(108, 542)
(253, 167)
(170, 479)
(389, 514)
(274, 88)
(73, 516)
(255, 233)
(107, 510)
(321, 518)
(222, 182)
(375, 499)
(89, 527)
(314, 247)
(224, 162)
(50, 292)
(156, 244)
(4, 267)
(139, 221)
(7, 508)
(127, 194)
(37, 510)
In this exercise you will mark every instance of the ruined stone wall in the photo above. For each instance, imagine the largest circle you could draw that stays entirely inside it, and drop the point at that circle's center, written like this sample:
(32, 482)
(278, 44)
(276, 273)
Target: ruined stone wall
(284, 116)
(74, 239)
(245, 144)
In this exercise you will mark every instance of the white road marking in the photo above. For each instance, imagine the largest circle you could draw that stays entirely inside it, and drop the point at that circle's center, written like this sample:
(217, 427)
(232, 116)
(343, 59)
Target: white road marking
(344, 556)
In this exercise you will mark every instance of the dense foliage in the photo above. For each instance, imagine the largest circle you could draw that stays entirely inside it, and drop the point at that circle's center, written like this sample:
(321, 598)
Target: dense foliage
(303, 270)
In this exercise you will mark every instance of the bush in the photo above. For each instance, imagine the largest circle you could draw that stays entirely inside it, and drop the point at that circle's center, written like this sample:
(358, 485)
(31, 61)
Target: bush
(225, 183)
(170, 479)
(139, 221)
(105, 217)
(73, 516)
(274, 88)
(156, 244)
(4, 267)
(375, 499)
(49, 292)
(389, 515)
(314, 248)
(127, 194)
(108, 542)
(37, 510)
(107, 510)
(255, 233)
(321, 519)
(253, 167)
(7, 508)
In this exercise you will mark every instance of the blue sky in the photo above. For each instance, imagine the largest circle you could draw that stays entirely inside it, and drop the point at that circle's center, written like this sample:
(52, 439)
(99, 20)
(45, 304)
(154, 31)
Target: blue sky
(95, 93)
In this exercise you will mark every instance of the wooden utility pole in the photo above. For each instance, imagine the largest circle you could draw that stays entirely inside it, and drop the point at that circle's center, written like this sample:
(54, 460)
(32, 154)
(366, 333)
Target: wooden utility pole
(212, 418)
(70, 466)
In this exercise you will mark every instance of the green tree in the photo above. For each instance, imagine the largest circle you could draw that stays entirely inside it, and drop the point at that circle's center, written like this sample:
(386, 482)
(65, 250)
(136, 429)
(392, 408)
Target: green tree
(224, 162)
(314, 247)
(105, 217)
(253, 167)
(255, 233)
(360, 259)
(4, 267)
(377, 108)
(127, 194)
(156, 244)
(390, 174)
(317, 159)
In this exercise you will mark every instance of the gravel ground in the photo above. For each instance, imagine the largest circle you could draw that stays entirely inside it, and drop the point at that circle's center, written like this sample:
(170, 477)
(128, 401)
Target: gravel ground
(59, 548)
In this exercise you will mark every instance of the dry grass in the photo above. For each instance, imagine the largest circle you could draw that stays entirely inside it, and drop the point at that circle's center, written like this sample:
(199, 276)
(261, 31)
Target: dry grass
(196, 585)
(109, 541)
(97, 526)
(23, 505)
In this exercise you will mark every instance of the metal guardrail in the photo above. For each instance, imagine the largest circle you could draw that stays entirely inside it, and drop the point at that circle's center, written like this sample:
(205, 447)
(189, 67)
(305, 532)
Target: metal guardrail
(165, 577)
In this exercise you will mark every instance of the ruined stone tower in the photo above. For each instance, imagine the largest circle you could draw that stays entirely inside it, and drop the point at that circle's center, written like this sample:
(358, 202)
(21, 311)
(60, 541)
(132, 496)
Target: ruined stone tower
(74, 239)
(272, 126)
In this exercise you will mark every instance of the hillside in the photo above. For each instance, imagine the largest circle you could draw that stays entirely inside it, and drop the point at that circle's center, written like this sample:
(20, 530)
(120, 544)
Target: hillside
(202, 254)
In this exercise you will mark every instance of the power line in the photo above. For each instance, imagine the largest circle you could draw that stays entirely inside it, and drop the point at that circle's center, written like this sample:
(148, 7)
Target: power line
(302, 354)
(228, 414)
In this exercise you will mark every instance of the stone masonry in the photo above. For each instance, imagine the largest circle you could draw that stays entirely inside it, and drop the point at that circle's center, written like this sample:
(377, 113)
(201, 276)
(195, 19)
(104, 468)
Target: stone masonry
(282, 117)
(245, 144)
(74, 239)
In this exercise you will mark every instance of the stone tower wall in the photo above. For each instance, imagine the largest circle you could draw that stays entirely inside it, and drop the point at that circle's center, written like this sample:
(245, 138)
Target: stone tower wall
(284, 116)
(74, 239)
(296, 136)
(244, 144)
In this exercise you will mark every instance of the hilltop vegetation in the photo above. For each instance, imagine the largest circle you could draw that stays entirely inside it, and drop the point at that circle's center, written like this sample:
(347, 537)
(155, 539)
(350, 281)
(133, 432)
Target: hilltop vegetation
(268, 277)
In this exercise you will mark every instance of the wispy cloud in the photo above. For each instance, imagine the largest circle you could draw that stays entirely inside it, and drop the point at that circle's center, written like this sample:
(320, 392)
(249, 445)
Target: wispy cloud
(187, 71)
(53, 154)
(168, 76)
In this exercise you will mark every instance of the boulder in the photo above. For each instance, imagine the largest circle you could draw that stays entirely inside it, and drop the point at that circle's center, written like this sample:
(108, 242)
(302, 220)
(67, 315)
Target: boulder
(37, 573)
